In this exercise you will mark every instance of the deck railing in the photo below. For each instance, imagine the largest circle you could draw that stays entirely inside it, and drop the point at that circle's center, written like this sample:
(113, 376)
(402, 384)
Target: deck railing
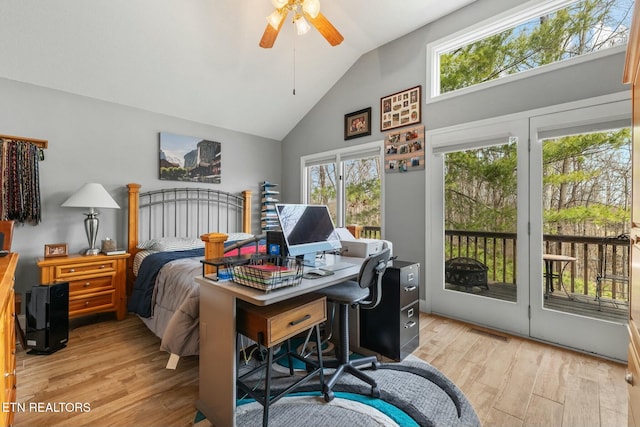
(593, 254)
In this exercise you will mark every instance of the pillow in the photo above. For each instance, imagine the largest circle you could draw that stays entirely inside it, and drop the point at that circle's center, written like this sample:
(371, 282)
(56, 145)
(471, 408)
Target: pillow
(164, 244)
(236, 237)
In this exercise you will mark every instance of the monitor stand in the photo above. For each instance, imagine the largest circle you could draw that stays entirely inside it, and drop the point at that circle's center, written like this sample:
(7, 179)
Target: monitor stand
(309, 260)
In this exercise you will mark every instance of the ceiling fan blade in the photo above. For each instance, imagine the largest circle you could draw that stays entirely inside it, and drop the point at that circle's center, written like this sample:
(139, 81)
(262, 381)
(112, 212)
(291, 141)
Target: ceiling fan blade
(325, 28)
(270, 34)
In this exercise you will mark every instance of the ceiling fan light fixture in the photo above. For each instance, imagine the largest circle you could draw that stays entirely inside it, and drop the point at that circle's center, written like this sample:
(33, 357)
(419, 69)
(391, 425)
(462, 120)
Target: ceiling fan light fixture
(279, 4)
(311, 7)
(275, 19)
(302, 26)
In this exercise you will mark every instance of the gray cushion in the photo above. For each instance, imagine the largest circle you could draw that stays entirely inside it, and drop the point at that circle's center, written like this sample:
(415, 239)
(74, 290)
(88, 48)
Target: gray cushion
(346, 292)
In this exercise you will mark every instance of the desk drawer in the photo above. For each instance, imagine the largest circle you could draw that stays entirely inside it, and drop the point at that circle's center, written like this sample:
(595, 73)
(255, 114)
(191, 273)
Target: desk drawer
(272, 324)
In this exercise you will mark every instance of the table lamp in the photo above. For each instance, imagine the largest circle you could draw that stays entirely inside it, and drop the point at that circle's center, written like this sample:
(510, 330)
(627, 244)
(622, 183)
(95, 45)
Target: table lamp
(92, 196)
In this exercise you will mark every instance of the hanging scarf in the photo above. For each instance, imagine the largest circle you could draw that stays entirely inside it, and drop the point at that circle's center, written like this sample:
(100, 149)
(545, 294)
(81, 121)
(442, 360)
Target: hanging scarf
(19, 181)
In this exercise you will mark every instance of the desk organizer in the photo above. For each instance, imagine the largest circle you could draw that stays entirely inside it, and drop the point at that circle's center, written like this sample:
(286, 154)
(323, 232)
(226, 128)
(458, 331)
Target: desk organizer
(268, 272)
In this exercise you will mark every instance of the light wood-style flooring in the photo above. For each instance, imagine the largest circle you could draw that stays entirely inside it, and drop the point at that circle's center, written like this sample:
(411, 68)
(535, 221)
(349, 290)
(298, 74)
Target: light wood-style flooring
(117, 369)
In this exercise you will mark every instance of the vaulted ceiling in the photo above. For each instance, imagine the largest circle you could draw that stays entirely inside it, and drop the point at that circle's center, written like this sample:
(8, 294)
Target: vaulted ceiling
(197, 59)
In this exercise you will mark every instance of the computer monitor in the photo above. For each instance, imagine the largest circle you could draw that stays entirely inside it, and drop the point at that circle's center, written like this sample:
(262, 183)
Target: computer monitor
(307, 230)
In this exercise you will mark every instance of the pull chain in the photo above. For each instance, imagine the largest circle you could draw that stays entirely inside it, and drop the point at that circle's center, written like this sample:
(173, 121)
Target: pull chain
(294, 63)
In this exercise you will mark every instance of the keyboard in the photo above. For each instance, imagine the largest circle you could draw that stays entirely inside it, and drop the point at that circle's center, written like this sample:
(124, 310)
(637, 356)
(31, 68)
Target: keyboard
(337, 266)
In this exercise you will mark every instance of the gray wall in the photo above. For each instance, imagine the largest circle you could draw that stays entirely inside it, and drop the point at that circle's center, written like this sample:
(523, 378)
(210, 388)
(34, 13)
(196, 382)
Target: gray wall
(401, 64)
(95, 141)
(91, 140)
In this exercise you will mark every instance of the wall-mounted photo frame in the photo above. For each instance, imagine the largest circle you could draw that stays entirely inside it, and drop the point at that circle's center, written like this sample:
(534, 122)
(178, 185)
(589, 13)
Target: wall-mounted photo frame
(357, 124)
(401, 109)
(191, 159)
(404, 150)
(55, 249)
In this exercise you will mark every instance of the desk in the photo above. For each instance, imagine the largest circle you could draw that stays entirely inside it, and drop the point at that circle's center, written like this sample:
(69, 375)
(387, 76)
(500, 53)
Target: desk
(564, 261)
(218, 353)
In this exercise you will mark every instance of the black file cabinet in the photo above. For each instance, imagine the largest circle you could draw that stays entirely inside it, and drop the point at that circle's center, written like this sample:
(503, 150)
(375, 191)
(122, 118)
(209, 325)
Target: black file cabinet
(392, 328)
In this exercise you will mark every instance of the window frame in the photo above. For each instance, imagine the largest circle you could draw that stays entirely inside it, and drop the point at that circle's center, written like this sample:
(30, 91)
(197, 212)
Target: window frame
(338, 156)
(492, 26)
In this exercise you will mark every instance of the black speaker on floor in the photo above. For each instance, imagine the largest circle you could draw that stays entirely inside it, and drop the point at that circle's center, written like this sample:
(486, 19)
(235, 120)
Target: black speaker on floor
(47, 318)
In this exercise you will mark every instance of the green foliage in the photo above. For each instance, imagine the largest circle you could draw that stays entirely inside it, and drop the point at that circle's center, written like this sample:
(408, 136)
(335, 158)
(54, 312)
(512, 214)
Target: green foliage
(363, 202)
(600, 215)
(481, 189)
(363, 189)
(174, 173)
(580, 28)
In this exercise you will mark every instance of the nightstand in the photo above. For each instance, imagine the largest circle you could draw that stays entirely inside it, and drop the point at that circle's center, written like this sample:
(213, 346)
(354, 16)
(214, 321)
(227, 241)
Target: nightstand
(97, 283)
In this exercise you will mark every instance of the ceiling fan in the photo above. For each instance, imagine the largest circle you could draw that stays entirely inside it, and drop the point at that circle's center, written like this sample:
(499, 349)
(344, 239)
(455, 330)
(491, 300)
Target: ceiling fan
(304, 11)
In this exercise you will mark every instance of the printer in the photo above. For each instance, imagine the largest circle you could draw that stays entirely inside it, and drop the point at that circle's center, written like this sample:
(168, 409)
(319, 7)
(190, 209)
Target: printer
(362, 248)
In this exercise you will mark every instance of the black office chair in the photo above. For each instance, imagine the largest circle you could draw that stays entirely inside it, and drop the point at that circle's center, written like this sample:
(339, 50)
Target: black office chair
(366, 292)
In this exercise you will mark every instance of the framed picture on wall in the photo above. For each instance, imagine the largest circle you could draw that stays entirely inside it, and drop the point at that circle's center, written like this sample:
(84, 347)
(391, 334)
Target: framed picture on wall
(401, 109)
(357, 124)
(191, 159)
(404, 150)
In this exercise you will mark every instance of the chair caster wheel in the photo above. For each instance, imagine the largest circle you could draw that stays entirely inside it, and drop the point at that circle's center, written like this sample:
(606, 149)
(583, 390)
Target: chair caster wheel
(375, 365)
(375, 392)
(328, 396)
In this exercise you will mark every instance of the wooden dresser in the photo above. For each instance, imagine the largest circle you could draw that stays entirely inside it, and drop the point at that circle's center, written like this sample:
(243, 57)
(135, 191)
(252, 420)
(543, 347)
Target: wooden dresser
(632, 76)
(97, 283)
(7, 336)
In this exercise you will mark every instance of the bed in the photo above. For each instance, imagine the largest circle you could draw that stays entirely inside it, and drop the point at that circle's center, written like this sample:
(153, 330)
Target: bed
(170, 232)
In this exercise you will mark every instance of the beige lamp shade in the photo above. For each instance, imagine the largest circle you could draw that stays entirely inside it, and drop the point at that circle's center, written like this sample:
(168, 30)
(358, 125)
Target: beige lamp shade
(91, 195)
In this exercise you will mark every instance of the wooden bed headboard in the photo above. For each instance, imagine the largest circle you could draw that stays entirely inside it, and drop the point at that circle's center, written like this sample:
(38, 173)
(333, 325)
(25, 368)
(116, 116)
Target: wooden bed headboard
(186, 212)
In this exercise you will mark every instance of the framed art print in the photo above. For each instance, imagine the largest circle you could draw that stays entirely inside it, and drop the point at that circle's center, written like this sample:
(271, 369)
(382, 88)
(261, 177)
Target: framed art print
(357, 124)
(186, 158)
(401, 109)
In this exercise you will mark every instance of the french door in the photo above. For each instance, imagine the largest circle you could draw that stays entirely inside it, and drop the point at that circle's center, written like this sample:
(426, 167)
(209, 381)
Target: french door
(474, 245)
(487, 193)
(595, 330)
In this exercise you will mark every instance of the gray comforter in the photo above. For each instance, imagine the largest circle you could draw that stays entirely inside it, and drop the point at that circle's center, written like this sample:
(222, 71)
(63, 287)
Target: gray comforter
(176, 307)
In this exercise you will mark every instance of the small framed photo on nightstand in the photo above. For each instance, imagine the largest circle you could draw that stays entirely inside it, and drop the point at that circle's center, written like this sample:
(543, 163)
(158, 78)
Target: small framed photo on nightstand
(55, 249)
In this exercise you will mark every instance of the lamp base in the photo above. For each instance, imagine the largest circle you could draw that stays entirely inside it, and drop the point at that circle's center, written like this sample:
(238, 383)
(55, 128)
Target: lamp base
(90, 251)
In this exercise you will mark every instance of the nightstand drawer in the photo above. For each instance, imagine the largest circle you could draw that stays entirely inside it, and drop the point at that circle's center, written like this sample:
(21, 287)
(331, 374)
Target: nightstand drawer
(68, 271)
(91, 284)
(101, 299)
(272, 324)
(97, 283)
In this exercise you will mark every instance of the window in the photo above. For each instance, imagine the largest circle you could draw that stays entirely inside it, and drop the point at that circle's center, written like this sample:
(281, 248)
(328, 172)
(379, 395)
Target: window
(524, 39)
(349, 182)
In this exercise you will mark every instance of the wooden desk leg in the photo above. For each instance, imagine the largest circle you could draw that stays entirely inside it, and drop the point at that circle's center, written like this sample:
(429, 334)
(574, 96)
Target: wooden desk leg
(217, 377)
